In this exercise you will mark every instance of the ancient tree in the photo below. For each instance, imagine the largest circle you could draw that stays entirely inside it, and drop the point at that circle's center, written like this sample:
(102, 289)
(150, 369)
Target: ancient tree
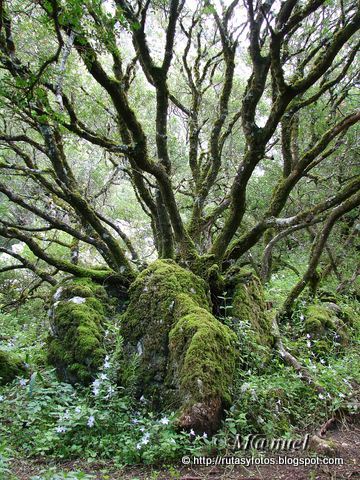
(184, 102)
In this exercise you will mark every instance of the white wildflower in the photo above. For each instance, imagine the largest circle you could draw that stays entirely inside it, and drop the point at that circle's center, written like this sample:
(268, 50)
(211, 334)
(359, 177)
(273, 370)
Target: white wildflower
(321, 396)
(106, 364)
(322, 361)
(91, 421)
(142, 399)
(1, 398)
(103, 376)
(96, 387)
(164, 421)
(78, 410)
(308, 335)
(23, 382)
(138, 446)
(192, 433)
(205, 436)
(245, 386)
(60, 429)
(77, 300)
(111, 391)
(135, 420)
(308, 343)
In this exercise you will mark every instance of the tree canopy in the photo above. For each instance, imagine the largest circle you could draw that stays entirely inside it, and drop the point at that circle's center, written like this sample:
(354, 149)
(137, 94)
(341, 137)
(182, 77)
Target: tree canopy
(132, 130)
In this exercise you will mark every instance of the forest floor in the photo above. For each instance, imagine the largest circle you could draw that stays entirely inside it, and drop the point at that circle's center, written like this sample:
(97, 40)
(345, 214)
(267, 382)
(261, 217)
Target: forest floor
(344, 438)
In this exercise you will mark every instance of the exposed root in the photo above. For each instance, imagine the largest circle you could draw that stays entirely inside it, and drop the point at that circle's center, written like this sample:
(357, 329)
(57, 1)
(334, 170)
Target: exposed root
(303, 372)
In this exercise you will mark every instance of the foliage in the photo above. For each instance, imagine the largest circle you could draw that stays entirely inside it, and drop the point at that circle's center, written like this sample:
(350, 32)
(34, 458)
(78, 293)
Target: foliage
(48, 418)
(275, 401)
(45, 417)
(149, 150)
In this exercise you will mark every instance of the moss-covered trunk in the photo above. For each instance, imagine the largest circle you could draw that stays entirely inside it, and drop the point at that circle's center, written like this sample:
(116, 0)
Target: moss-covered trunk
(185, 352)
(187, 356)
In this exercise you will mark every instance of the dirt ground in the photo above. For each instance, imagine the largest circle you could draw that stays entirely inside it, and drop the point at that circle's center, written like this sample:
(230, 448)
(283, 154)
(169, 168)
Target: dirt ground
(344, 440)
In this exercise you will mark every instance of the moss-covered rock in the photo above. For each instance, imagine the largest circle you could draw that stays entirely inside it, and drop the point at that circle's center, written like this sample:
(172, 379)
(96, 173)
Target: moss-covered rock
(318, 318)
(323, 321)
(10, 367)
(75, 344)
(248, 304)
(187, 356)
(321, 318)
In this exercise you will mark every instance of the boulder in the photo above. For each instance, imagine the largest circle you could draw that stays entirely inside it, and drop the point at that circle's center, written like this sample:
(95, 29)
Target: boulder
(75, 344)
(10, 367)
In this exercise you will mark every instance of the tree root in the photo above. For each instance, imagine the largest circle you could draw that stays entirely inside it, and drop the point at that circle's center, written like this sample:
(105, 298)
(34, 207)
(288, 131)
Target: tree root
(303, 372)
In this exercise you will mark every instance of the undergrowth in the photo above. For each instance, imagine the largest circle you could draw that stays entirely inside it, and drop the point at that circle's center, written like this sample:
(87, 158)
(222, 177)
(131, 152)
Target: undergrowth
(40, 416)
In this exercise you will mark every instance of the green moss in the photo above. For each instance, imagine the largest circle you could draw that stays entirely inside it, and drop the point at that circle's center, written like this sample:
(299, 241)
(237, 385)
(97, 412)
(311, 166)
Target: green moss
(153, 296)
(318, 318)
(79, 287)
(186, 355)
(312, 325)
(202, 356)
(10, 367)
(75, 346)
(326, 327)
(248, 304)
(322, 348)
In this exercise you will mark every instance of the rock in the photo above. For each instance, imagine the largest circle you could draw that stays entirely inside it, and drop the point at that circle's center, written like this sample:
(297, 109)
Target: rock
(322, 446)
(333, 307)
(75, 344)
(323, 322)
(10, 367)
